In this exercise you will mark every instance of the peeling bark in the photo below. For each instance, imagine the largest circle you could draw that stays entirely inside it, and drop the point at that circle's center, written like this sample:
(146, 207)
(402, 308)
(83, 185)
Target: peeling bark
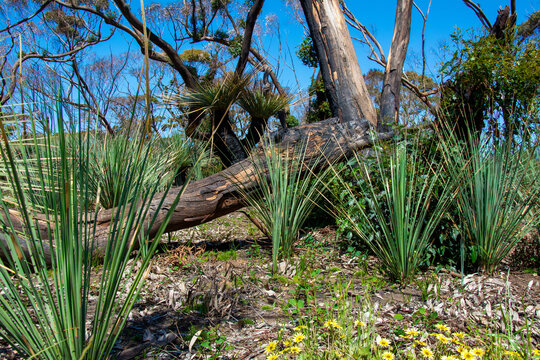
(389, 111)
(341, 72)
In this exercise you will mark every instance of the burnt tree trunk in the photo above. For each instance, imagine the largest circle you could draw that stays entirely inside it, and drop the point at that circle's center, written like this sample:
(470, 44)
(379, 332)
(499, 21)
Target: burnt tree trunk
(217, 195)
(389, 111)
(343, 80)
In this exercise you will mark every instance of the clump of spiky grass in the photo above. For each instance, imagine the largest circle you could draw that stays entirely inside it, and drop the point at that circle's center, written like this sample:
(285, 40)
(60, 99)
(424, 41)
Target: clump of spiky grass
(286, 192)
(405, 202)
(494, 205)
(260, 104)
(45, 301)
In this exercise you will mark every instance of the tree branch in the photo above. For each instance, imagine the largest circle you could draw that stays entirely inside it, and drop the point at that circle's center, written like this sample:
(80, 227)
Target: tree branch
(479, 13)
(38, 11)
(251, 19)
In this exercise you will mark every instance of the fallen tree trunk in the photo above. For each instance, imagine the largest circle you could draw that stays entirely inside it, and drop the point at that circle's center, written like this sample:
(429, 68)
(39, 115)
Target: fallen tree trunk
(217, 195)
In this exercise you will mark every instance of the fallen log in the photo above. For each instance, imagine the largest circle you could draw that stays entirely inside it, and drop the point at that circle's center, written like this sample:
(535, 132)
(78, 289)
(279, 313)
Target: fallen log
(217, 195)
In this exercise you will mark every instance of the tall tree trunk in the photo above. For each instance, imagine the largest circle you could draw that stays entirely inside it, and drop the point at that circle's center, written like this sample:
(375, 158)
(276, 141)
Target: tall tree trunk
(341, 72)
(389, 112)
(217, 195)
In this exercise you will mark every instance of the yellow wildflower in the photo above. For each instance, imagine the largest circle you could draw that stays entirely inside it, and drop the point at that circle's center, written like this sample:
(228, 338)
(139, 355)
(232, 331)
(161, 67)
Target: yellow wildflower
(382, 342)
(441, 327)
(467, 355)
(272, 357)
(287, 343)
(270, 347)
(420, 342)
(298, 337)
(300, 327)
(388, 356)
(412, 332)
(478, 352)
(443, 339)
(359, 323)
(427, 353)
(459, 335)
(536, 352)
(332, 324)
(295, 350)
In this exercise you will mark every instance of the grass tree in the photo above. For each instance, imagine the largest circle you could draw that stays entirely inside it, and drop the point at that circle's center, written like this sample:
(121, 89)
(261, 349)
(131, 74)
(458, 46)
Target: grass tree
(215, 99)
(260, 105)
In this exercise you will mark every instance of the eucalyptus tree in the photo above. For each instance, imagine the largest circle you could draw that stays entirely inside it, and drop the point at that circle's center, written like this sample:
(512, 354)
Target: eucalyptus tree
(220, 31)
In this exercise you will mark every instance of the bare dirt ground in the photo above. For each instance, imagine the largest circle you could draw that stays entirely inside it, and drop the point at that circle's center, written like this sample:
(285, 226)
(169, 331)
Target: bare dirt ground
(211, 294)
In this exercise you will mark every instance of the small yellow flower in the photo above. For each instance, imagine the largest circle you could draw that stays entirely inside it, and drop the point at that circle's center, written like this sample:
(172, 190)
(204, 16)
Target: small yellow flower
(332, 324)
(441, 327)
(384, 343)
(300, 327)
(420, 342)
(536, 352)
(443, 339)
(388, 356)
(298, 337)
(427, 353)
(287, 343)
(270, 347)
(511, 353)
(272, 357)
(284, 351)
(478, 352)
(461, 349)
(328, 323)
(406, 337)
(412, 332)
(359, 323)
(467, 355)
(459, 335)
(295, 350)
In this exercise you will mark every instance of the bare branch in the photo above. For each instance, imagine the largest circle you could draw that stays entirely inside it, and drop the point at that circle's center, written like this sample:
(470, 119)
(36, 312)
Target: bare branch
(38, 11)
(369, 39)
(479, 13)
(87, 92)
(423, 96)
(170, 52)
(56, 57)
(424, 19)
(251, 19)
